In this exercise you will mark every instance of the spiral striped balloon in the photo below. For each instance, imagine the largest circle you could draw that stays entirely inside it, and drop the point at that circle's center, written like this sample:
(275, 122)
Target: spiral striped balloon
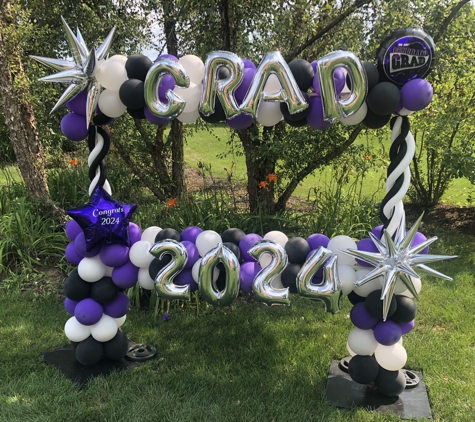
(98, 142)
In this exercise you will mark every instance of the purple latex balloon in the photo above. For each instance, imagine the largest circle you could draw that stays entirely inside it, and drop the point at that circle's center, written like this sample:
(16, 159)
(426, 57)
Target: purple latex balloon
(118, 307)
(416, 94)
(191, 233)
(114, 255)
(72, 229)
(70, 305)
(74, 127)
(248, 64)
(125, 276)
(419, 238)
(167, 83)
(241, 121)
(88, 311)
(241, 91)
(193, 254)
(378, 231)
(154, 119)
(185, 278)
(339, 79)
(246, 243)
(366, 245)
(361, 318)
(135, 234)
(316, 240)
(315, 116)
(167, 56)
(78, 103)
(387, 332)
(405, 328)
(71, 255)
(80, 247)
(247, 274)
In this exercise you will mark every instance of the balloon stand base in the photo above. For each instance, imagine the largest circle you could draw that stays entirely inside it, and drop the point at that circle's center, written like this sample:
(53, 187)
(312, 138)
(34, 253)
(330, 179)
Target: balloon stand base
(343, 392)
(64, 359)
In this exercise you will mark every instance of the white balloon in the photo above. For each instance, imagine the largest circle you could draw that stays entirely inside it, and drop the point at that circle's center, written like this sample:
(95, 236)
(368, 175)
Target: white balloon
(272, 84)
(120, 321)
(277, 237)
(91, 269)
(391, 358)
(194, 67)
(189, 117)
(349, 350)
(417, 285)
(206, 241)
(139, 254)
(338, 244)
(110, 104)
(356, 117)
(347, 276)
(118, 57)
(265, 259)
(268, 113)
(111, 74)
(368, 287)
(277, 282)
(191, 95)
(105, 329)
(144, 279)
(150, 233)
(362, 342)
(109, 271)
(196, 269)
(75, 331)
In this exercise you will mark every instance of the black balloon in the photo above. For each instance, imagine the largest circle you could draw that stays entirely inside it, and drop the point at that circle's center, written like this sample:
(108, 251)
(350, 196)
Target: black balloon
(233, 236)
(297, 117)
(234, 249)
(116, 348)
(102, 120)
(374, 305)
(372, 74)
(221, 281)
(131, 93)
(297, 123)
(406, 310)
(137, 67)
(375, 121)
(355, 298)
(218, 115)
(75, 288)
(390, 383)
(74, 343)
(384, 98)
(89, 352)
(289, 276)
(104, 290)
(363, 369)
(158, 264)
(168, 234)
(223, 73)
(297, 249)
(303, 73)
(136, 113)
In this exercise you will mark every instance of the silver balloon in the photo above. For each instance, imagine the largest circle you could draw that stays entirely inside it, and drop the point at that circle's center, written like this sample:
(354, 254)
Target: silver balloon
(223, 89)
(207, 284)
(164, 286)
(290, 94)
(333, 106)
(329, 291)
(175, 104)
(262, 288)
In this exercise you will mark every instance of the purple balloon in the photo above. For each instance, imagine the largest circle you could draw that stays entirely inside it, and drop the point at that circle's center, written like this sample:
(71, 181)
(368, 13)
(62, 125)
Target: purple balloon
(80, 247)
(72, 229)
(378, 231)
(315, 115)
(125, 276)
(416, 94)
(316, 240)
(318, 277)
(405, 328)
(74, 127)
(114, 255)
(366, 245)
(88, 311)
(154, 119)
(135, 234)
(71, 255)
(241, 91)
(167, 83)
(339, 80)
(70, 305)
(247, 274)
(387, 332)
(248, 64)
(419, 238)
(118, 307)
(191, 233)
(361, 318)
(246, 243)
(78, 103)
(242, 121)
(193, 254)
(185, 278)
(167, 56)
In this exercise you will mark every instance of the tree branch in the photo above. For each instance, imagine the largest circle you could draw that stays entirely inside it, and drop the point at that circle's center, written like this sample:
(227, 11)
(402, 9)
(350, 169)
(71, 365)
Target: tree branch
(449, 19)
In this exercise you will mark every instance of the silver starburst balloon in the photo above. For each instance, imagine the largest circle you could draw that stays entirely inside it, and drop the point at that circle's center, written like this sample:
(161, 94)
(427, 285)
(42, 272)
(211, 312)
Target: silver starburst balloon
(397, 259)
(80, 72)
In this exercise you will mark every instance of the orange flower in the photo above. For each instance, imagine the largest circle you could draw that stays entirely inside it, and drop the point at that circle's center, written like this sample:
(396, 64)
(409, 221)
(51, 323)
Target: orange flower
(263, 184)
(73, 162)
(368, 157)
(271, 177)
(172, 202)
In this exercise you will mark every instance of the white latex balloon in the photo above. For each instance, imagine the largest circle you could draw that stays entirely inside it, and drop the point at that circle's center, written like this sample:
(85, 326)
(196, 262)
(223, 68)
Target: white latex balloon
(105, 329)
(349, 350)
(368, 287)
(120, 321)
(268, 113)
(111, 74)
(75, 331)
(417, 284)
(109, 271)
(119, 58)
(357, 117)
(206, 241)
(139, 254)
(194, 67)
(196, 269)
(189, 117)
(191, 95)
(110, 104)
(340, 243)
(277, 282)
(272, 84)
(391, 358)
(150, 233)
(265, 259)
(347, 276)
(91, 269)
(362, 342)
(278, 237)
(144, 279)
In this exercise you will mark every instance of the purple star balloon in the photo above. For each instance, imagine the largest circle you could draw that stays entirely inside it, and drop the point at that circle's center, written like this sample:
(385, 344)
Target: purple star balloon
(103, 220)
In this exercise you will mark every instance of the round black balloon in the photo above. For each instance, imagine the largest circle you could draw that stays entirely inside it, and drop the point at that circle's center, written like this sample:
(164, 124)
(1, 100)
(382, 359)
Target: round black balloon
(375, 121)
(297, 123)
(297, 117)
(217, 116)
(102, 120)
(157, 264)
(89, 352)
(168, 234)
(303, 73)
(233, 236)
(136, 113)
(355, 298)
(116, 348)
(75, 288)
(234, 249)
(297, 249)
(406, 310)
(104, 290)
(390, 383)
(372, 74)
(224, 72)
(289, 276)
(74, 343)
(363, 369)
(131, 93)
(221, 281)
(384, 98)
(137, 66)
(374, 305)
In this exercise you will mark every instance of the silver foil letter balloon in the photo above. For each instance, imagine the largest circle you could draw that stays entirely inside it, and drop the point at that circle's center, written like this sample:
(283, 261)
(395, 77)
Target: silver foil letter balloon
(207, 284)
(290, 94)
(223, 89)
(262, 287)
(164, 286)
(335, 107)
(329, 291)
(175, 104)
